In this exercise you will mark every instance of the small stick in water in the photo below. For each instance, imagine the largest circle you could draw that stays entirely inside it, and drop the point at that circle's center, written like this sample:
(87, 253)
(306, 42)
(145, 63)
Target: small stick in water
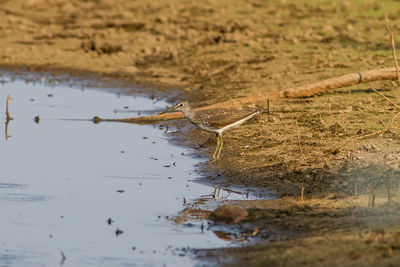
(8, 118)
(302, 195)
(7, 110)
(255, 232)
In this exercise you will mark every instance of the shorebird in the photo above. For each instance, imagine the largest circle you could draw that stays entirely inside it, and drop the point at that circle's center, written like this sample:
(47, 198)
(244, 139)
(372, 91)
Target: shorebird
(213, 121)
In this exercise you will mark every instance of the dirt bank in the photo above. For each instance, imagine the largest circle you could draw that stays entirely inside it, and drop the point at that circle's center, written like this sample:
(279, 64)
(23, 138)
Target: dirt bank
(323, 232)
(218, 50)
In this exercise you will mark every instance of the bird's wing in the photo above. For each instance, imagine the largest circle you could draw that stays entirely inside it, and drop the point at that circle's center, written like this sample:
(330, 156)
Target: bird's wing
(218, 118)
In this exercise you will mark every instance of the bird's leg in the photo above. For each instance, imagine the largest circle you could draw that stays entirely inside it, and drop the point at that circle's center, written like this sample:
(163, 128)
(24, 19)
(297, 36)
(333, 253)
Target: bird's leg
(221, 143)
(216, 149)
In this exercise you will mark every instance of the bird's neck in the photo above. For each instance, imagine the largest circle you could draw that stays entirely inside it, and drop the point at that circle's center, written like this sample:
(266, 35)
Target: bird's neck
(189, 113)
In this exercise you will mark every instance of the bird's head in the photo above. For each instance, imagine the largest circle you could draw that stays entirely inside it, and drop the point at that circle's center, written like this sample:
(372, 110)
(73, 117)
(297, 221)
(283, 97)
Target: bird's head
(180, 106)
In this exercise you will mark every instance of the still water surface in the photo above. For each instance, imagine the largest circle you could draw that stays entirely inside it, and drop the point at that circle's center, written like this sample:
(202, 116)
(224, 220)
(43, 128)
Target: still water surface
(61, 181)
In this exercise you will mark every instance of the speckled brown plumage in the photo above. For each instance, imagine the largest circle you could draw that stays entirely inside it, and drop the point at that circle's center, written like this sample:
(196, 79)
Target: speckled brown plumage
(221, 117)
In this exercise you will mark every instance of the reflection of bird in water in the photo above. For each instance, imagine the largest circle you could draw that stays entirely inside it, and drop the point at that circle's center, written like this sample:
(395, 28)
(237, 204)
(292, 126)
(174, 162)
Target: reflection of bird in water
(213, 121)
(6, 129)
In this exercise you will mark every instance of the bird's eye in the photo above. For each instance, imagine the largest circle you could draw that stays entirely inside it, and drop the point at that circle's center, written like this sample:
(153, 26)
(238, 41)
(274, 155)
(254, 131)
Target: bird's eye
(181, 104)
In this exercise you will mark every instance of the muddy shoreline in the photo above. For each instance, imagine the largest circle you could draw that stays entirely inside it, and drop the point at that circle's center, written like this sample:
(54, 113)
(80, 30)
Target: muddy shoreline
(210, 52)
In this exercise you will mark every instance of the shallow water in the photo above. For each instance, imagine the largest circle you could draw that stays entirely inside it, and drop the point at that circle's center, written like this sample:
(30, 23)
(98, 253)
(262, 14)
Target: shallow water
(61, 181)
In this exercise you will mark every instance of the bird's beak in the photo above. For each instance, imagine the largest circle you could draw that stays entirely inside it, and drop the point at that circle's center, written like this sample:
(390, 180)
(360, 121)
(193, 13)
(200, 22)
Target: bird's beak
(174, 108)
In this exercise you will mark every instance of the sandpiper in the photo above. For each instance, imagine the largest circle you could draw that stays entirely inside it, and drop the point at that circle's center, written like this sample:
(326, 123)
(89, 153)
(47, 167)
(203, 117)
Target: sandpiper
(213, 121)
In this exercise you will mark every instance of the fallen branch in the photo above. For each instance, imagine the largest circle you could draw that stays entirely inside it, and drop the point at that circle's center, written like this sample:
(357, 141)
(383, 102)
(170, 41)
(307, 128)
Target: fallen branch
(295, 92)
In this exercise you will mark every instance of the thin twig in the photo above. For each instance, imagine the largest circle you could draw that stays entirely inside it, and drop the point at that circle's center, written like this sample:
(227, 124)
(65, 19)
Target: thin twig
(302, 195)
(377, 132)
(387, 99)
(298, 141)
(221, 69)
(393, 45)
(7, 111)
(394, 117)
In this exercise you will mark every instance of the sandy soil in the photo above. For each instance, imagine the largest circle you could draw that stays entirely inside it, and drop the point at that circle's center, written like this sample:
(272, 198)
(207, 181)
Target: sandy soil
(216, 50)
